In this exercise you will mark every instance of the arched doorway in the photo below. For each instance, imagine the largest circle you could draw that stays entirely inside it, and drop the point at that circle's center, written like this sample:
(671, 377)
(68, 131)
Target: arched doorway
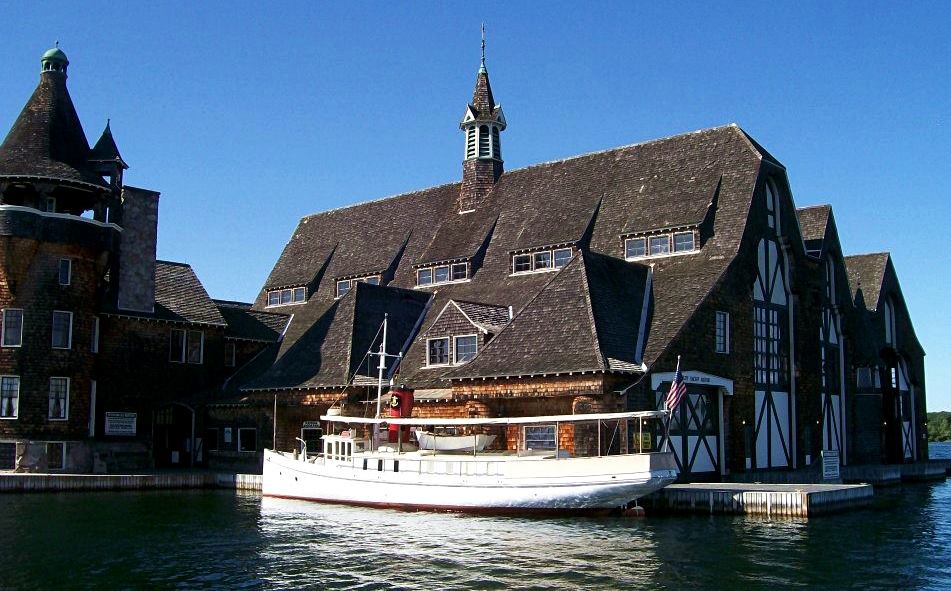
(173, 436)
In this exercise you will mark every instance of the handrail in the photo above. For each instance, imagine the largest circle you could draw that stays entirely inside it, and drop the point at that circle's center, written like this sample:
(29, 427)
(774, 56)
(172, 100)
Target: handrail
(435, 421)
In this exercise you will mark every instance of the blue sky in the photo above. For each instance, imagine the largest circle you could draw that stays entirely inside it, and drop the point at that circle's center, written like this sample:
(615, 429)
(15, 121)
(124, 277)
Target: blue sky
(247, 117)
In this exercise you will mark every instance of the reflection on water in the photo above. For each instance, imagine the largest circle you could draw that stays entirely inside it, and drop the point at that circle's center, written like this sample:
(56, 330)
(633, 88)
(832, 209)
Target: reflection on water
(220, 540)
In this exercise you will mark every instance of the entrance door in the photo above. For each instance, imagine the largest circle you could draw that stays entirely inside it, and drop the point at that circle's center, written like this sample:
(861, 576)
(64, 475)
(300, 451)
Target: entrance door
(695, 431)
(173, 436)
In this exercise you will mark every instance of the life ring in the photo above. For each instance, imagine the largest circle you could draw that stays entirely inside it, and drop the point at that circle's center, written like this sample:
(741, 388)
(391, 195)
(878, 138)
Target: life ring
(394, 401)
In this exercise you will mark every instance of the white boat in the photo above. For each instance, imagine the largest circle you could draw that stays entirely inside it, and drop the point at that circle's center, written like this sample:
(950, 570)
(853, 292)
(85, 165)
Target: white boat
(440, 442)
(351, 470)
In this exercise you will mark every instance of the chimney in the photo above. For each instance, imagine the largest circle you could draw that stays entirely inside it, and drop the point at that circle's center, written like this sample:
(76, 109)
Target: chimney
(137, 249)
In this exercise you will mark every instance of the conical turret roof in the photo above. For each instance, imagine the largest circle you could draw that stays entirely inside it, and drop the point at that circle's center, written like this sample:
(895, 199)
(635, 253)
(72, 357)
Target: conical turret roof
(47, 139)
(106, 150)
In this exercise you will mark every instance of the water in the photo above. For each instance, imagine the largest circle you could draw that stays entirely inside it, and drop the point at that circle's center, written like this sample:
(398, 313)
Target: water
(220, 540)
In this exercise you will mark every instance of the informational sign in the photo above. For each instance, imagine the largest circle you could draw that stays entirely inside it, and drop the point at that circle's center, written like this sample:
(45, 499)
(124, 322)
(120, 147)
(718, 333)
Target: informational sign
(311, 425)
(830, 464)
(120, 423)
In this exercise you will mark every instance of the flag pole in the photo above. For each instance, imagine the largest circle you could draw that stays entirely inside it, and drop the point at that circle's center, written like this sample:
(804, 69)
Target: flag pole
(670, 413)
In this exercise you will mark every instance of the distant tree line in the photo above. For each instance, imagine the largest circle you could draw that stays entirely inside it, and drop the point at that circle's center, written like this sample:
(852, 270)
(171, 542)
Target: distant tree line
(939, 426)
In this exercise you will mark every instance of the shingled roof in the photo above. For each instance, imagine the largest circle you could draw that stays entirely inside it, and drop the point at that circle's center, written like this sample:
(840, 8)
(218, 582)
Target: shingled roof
(585, 319)
(47, 139)
(591, 201)
(252, 325)
(867, 272)
(487, 317)
(179, 295)
(333, 347)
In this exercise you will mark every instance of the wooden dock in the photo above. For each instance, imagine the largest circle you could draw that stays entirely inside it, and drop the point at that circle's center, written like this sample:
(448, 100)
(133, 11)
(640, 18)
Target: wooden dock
(771, 500)
(13, 483)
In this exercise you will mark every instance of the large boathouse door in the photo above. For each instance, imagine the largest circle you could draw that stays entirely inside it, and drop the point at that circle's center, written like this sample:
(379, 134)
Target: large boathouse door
(696, 425)
(173, 436)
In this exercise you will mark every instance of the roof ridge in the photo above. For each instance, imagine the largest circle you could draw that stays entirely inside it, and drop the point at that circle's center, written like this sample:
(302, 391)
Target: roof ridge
(175, 263)
(529, 167)
(821, 205)
(869, 254)
(590, 309)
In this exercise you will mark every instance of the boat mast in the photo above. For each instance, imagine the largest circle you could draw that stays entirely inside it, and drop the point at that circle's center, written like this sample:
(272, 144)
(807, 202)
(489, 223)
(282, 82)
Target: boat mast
(382, 366)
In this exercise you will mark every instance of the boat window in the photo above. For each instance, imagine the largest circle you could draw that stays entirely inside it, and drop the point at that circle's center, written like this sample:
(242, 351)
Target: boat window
(539, 436)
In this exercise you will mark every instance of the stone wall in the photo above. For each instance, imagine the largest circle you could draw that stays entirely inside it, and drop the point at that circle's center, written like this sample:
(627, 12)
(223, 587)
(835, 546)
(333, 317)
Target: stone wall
(137, 251)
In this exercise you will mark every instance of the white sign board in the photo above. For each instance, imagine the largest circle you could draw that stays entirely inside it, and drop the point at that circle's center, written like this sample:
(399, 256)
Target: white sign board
(830, 464)
(311, 425)
(120, 423)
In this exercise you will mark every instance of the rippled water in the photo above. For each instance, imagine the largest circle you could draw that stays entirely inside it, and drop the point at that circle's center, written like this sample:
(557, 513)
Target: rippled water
(211, 539)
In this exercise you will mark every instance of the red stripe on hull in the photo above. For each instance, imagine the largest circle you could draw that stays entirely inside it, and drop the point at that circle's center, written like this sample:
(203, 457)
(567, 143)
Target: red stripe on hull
(461, 509)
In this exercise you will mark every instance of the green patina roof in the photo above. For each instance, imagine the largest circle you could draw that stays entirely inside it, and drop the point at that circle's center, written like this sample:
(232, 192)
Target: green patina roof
(54, 54)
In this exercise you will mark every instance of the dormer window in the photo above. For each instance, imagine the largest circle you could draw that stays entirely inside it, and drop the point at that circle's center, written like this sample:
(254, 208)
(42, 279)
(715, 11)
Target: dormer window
(286, 296)
(659, 245)
(441, 274)
(345, 285)
(541, 261)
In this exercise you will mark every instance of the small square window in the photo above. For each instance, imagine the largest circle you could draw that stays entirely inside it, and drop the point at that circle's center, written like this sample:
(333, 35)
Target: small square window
(466, 348)
(543, 260)
(59, 399)
(437, 351)
(683, 241)
(247, 440)
(441, 274)
(660, 244)
(12, 327)
(373, 280)
(196, 346)
(299, 294)
(62, 329)
(521, 263)
(273, 298)
(65, 271)
(9, 396)
(424, 277)
(460, 271)
(562, 257)
(635, 247)
(343, 287)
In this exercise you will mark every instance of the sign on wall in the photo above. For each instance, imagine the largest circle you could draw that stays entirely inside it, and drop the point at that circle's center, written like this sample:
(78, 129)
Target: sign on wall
(830, 464)
(120, 423)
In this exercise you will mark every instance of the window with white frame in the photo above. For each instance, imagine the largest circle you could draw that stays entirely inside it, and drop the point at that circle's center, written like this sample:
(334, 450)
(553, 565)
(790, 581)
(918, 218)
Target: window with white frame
(660, 245)
(59, 399)
(437, 351)
(56, 455)
(683, 241)
(94, 338)
(440, 274)
(289, 295)
(539, 437)
(723, 332)
(229, 354)
(465, 348)
(247, 439)
(345, 285)
(12, 327)
(62, 329)
(541, 261)
(176, 345)
(65, 271)
(9, 396)
(196, 347)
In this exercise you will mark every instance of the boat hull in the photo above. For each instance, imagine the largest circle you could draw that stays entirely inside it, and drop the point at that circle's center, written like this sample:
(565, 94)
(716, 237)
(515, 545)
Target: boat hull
(472, 485)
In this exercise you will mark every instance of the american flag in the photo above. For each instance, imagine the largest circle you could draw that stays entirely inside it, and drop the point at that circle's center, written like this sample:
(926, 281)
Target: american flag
(677, 390)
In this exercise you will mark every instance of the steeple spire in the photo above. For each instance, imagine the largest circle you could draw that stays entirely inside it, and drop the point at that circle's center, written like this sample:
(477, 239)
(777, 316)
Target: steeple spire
(482, 123)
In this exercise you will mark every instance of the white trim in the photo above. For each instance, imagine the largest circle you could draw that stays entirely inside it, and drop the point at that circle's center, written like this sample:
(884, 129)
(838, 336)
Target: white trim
(448, 353)
(3, 319)
(726, 332)
(293, 302)
(694, 377)
(532, 420)
(17, 414)
(69, 344)
(62, 216)
(432, 270)
(531, 254)
(455, 347)
(49, 397)
(664, 255)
